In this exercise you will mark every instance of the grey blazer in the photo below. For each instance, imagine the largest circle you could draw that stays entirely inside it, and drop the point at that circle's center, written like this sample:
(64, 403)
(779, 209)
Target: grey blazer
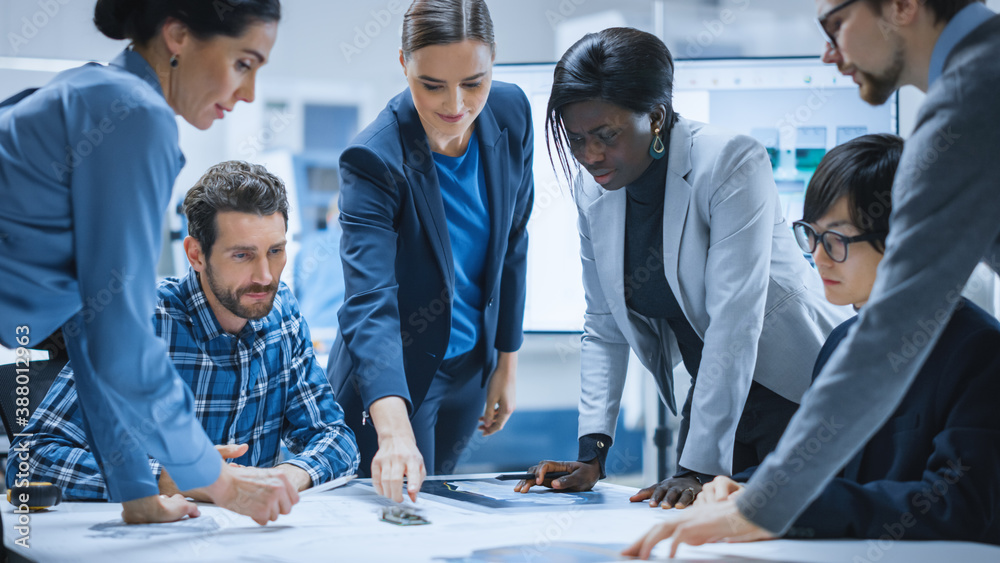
(737, 274)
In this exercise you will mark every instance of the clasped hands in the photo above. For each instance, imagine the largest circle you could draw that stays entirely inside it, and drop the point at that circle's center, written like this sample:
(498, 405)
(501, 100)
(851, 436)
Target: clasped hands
(262, 494)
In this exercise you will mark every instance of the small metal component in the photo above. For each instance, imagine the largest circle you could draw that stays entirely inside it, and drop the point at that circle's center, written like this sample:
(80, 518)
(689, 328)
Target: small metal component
(401, 516)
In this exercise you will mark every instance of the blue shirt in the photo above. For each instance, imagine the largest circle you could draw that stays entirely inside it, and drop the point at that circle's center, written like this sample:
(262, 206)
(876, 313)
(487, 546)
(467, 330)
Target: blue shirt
(258, 387)
(463, 189)
(961, 25)
(87, 166)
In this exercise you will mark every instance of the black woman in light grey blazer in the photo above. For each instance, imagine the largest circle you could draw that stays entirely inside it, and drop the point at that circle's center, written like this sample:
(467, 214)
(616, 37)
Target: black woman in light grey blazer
(686, 255)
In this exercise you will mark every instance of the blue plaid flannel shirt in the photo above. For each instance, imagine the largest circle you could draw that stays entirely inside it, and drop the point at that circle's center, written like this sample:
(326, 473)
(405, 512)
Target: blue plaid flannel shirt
(259, 387)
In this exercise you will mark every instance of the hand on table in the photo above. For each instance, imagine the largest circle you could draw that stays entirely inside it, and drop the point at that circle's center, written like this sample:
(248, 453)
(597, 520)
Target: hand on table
(158, 509)
(583, 475)
(500, 395)
(719, 489)
(397, 455)
(262, 494)
(675, 492)
(705, 523)
(397, 458)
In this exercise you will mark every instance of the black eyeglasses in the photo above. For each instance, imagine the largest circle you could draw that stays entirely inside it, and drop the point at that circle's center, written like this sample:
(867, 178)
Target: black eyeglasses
(821, 21)
(834, 243)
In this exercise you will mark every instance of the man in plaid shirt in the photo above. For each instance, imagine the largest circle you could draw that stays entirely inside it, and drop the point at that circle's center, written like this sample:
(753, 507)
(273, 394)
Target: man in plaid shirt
(236, 337)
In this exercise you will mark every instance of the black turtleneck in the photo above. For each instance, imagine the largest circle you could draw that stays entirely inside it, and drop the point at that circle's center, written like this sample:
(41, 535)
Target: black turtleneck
(647, 291)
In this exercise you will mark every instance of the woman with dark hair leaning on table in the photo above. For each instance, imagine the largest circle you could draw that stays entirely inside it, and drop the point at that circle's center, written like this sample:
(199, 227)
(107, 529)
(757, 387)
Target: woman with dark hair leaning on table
(81, 225)
(686, 256)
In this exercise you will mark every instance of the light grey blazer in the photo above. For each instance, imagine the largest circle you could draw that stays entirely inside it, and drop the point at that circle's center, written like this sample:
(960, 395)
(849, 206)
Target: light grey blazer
(737, 274)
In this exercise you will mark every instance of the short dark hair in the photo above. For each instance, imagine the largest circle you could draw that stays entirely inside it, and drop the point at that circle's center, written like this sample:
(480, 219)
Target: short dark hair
(232, 186)
(141, 20)
(442, 22)
(943, 10)
(861, 169)
(629, 68)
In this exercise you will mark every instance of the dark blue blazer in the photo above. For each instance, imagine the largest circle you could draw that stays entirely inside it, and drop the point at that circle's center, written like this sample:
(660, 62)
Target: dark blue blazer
(932, 471)
(398, 268)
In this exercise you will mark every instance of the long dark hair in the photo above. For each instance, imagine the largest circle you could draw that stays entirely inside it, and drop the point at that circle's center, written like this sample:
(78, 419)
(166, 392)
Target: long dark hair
(441, 22)
(620, 65)
(141, 20)
(861, 169)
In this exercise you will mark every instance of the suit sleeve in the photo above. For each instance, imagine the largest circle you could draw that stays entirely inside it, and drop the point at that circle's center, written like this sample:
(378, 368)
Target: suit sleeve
(741, 212)
(132, 398)
(956, 497)
(513, 278)
(944, 220)
(604, 351)
(369, 318)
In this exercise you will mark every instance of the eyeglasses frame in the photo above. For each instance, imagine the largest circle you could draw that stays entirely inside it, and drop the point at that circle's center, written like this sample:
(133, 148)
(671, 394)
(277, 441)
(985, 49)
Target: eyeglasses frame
(821, 21)
(820, 238)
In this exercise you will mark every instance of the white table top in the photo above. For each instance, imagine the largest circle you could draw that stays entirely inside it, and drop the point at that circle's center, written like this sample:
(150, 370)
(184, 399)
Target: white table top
(343, 525)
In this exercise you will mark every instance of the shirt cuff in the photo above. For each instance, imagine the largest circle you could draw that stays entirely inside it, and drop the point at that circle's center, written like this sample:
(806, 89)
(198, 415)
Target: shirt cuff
(700, 477)
(156, 467)
(595, 446)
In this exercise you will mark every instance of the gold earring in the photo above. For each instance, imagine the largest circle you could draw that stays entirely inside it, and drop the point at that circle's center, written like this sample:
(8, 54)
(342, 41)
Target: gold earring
(657, 149)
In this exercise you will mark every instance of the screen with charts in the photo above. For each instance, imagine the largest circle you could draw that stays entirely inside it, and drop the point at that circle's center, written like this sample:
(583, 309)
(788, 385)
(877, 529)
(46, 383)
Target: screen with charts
(798, 108)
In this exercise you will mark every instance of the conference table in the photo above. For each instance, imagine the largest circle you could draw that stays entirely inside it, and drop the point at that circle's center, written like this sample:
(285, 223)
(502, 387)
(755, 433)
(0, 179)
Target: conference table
(472, 518)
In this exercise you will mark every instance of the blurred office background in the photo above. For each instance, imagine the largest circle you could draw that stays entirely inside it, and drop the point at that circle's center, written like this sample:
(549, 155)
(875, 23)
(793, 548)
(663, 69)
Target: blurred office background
(332, 70)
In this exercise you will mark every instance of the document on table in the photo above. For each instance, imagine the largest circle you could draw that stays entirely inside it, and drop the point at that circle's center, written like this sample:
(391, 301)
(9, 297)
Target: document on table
(332, 484)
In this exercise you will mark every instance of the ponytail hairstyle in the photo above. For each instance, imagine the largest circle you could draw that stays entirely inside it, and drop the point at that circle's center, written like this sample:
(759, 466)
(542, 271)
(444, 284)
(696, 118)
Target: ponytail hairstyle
(141, 20)
(441, 22)
(623, 66)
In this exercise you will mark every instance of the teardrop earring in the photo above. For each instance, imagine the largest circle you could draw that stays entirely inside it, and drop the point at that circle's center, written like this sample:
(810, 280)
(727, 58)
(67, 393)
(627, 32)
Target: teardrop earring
(656, 149)
(173, 61)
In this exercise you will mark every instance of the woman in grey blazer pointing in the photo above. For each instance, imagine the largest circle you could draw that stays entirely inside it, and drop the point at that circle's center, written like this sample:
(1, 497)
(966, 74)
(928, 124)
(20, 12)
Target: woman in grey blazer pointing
(686, 256)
